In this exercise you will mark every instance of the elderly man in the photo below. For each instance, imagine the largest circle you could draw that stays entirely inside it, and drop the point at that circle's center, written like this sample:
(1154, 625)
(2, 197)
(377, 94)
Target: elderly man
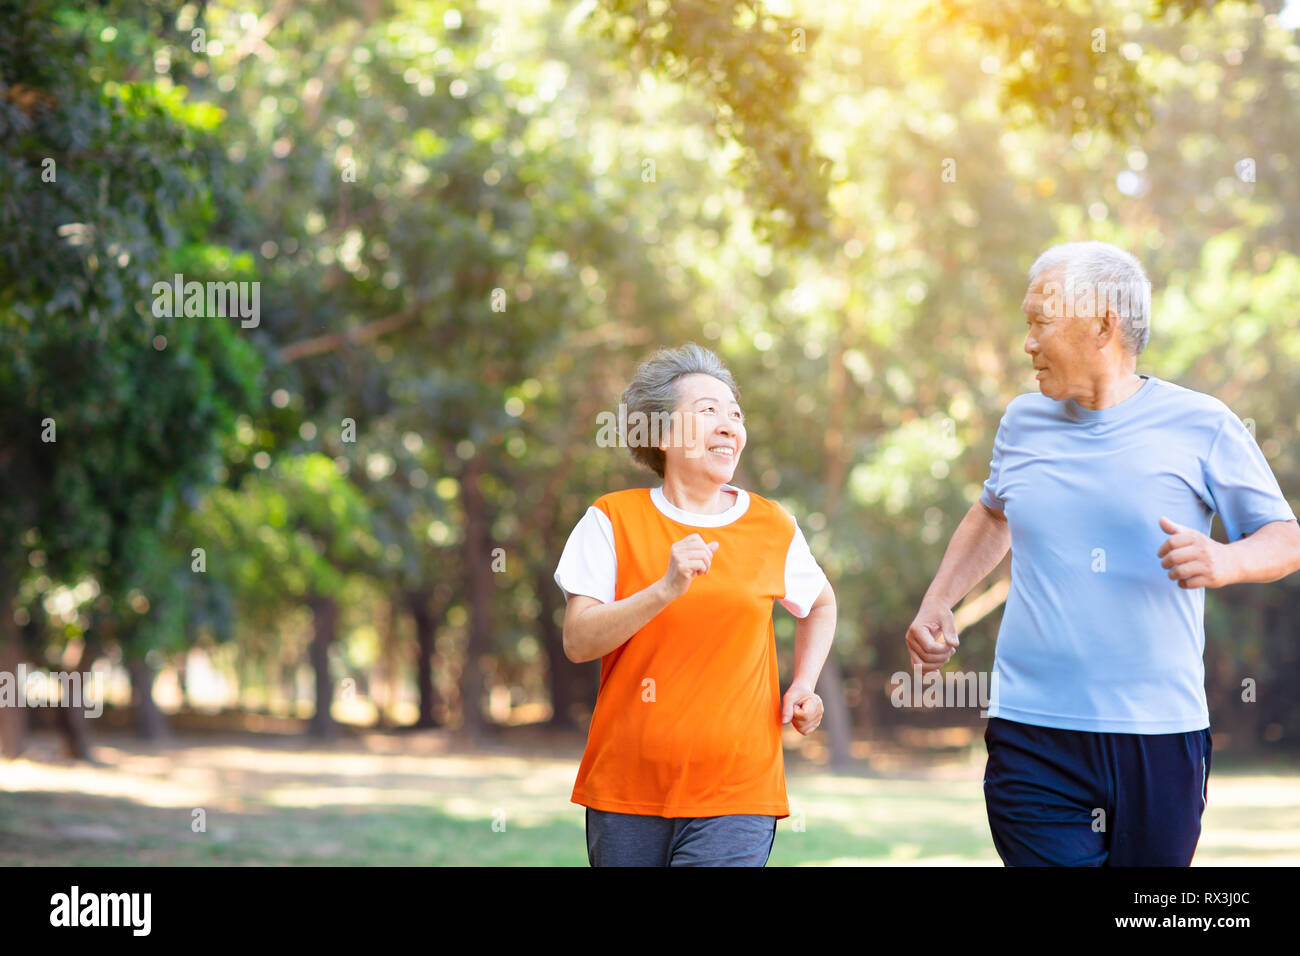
(1104, 487)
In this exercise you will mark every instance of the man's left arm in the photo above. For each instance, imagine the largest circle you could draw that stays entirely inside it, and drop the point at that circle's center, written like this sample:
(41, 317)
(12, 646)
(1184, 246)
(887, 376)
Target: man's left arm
(1244, 491)
(1196, 560)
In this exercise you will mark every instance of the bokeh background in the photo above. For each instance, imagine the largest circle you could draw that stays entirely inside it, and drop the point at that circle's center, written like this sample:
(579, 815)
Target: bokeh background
(310, 556)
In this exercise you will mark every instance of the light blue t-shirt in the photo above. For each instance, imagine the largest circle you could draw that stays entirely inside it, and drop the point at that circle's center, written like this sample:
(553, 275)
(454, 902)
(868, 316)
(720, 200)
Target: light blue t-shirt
(1095, 636)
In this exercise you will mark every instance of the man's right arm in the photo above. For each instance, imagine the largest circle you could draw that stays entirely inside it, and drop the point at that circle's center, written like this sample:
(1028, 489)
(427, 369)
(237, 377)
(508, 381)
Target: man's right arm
(978, 545)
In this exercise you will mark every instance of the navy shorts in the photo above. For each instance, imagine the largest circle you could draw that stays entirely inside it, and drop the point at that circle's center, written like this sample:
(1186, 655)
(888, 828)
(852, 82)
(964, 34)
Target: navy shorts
(1080, 798)
(631, 839)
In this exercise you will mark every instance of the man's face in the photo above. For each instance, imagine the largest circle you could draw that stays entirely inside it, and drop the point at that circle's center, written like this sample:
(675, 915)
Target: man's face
(1062, 345)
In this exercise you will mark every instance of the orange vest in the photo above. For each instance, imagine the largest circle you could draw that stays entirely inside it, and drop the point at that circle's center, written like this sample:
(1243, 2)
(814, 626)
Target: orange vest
(688, 716)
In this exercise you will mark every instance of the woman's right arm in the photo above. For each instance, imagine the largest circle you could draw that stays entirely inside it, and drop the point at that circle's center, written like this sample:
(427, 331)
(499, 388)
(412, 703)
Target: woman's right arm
(593, 628)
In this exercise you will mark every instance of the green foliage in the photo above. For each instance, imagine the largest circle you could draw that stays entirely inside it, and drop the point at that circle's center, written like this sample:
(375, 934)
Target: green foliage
(748, 66)
(133, 403)
(845, 202)
(1061, 63)
(294, 530)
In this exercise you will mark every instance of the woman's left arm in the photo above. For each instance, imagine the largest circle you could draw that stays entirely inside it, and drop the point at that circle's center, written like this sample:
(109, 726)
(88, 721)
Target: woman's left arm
(812, 643)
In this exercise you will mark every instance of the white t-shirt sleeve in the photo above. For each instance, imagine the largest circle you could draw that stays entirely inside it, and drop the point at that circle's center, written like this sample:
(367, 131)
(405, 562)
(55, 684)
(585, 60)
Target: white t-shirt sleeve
(804, 578)
(589, 564)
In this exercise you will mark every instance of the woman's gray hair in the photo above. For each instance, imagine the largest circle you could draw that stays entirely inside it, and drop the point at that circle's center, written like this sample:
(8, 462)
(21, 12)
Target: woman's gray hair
(652, 394)
(1112, 275)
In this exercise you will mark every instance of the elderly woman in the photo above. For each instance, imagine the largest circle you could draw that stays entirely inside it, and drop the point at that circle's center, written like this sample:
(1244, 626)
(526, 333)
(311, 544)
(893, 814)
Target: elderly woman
(672, 588)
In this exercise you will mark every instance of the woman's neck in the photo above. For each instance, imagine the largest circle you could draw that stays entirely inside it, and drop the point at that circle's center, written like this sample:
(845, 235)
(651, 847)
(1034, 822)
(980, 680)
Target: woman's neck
(701, 497)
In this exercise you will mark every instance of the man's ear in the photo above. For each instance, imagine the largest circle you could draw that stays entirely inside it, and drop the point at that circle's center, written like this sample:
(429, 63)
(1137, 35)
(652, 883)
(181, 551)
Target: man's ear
(1108, 326)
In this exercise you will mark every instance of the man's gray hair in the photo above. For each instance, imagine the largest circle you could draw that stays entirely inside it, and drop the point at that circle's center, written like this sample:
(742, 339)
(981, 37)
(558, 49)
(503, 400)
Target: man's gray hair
(652, 394)
(1113, 276)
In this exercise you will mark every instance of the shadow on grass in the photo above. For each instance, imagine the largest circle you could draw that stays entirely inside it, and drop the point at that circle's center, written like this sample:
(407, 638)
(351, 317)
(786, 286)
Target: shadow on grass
(72, 829)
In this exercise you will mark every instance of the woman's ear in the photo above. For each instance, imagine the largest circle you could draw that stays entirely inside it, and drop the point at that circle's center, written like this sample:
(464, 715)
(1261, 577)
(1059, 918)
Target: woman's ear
(666, 433)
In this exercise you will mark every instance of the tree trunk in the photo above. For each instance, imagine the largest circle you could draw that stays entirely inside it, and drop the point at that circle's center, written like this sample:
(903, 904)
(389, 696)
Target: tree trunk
(839, 726)
(182, 680)
(183, 661)
(75, 729)
(562, 674)
(149, 723)
(288, 676)
(385, 667)
(73, 724)
(478, 586)
(426, 629)
(244, 668)
(13, 720)
(324, 612)
(265, 686)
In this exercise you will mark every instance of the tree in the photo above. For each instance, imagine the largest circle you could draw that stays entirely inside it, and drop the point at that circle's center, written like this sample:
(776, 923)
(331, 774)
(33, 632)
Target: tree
(109, 409)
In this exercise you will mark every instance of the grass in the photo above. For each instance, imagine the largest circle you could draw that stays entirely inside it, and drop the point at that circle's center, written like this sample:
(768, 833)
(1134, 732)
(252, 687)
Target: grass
(418, 800)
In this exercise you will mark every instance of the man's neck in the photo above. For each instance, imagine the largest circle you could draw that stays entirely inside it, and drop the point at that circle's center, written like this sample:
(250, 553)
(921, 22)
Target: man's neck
(1110, 390)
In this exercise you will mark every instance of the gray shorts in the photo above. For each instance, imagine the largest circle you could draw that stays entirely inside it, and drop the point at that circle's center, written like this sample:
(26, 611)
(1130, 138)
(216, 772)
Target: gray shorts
(632, 839)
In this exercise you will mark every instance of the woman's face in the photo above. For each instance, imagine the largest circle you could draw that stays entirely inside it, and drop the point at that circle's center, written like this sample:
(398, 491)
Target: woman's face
(707, 432)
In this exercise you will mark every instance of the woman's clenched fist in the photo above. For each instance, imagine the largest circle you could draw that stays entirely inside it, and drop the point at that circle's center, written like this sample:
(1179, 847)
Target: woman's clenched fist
(687, 558)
